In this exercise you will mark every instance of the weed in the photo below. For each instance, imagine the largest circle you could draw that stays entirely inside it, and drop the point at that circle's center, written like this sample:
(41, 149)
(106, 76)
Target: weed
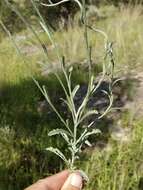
(70, 134)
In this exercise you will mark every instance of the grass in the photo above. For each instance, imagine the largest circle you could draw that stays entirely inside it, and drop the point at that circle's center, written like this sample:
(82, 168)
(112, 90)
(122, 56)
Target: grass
(124, 28)
(24, 130)
(119, 165)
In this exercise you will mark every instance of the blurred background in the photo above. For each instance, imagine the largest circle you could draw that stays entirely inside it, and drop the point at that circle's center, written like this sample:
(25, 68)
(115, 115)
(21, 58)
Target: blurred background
(115, 159)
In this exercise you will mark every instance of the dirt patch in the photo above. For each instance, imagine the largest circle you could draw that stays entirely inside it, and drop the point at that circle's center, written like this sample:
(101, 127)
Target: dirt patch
(136, 104)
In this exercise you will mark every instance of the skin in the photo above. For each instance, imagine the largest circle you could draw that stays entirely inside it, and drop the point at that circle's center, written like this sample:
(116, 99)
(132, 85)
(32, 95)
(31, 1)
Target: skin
(54, 182)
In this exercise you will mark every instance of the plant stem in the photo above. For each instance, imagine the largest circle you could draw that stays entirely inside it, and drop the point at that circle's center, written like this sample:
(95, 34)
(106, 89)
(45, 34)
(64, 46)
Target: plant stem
(72, 161)
(88, 48)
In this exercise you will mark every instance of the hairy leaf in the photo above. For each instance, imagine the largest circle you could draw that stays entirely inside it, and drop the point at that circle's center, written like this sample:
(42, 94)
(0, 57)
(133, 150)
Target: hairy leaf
(64, 135)
(58, 132)
(61, 132)
(75, 90)
(93, 132)
(58, 153)
(88, 143)
(89, 113)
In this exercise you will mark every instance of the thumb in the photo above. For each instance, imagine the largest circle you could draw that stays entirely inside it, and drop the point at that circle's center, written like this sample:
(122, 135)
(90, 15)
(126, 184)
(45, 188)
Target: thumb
(73, 182)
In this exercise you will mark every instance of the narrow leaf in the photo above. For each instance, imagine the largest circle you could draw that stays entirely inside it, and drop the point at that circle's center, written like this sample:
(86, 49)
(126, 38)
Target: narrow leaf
(70, 69)
(94, 131)
(89, 113)
(82, 135)
(92, 83)
(75, 90)
(64, 135)
(88, 143)
(86, 134)
(61, 132)
(58, 153)
(58, 132)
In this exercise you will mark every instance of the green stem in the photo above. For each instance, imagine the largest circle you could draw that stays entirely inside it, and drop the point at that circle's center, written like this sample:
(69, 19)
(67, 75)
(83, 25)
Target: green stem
(88, 48)
(72, 161)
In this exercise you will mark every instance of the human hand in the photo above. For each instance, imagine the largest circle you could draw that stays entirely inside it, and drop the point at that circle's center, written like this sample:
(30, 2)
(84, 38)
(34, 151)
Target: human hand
(61, 181)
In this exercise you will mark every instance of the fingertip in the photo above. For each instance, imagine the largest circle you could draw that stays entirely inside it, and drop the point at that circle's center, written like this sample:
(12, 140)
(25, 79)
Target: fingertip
(73, 182)
(76, 180)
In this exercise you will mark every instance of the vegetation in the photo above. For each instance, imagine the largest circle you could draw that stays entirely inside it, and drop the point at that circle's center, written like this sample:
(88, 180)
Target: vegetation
(64, 11)
(119, 165)
(25, 119)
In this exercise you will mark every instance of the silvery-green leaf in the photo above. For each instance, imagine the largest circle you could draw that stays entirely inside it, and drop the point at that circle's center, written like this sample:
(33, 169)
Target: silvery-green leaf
(74, 150)
(90, 124)
(82, 135)
(71, 150)
(76, 88)
(70, 69)
(69, 160)
(94, 131)
(88, 143)
(67, 122)
(58, 153)
(92, 82)
(89, 113)
(61, 132)
(92, 88)
(105, 92)
(58, 132)
(67, 103)
(118, 80)
(47, 31)
(92, 79)
(64, 135)
(77, 157)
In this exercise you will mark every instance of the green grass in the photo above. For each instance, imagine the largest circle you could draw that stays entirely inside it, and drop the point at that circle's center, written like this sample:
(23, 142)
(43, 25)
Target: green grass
(124, 28)
(119, 165)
